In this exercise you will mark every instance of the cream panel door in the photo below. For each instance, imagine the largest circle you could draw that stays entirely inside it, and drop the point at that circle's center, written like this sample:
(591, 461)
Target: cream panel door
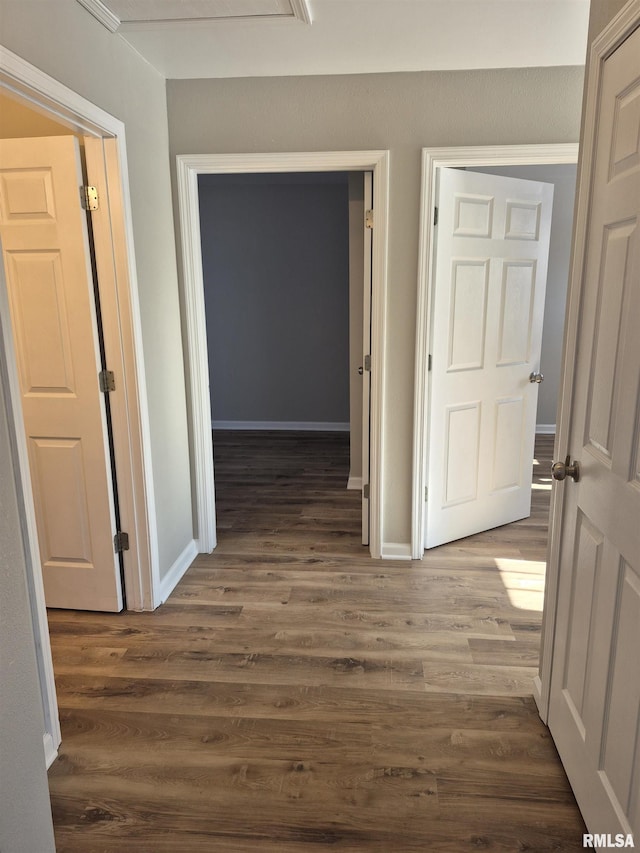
(46, 256)
(492, 248)
(594, 712)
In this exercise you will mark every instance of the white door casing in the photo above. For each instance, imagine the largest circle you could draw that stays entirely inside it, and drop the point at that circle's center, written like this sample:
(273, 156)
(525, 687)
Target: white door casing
(594, 707)
(189, 167)
(49, 281)
(492, 245)
(366, 353)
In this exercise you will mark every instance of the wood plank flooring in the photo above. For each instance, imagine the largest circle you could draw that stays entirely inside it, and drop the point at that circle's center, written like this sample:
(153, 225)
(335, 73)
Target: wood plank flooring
(295, 695)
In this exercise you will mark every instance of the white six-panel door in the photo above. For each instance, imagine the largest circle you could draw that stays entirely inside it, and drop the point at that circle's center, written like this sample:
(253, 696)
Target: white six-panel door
(492, 247)
(48, 272)
(594, 712)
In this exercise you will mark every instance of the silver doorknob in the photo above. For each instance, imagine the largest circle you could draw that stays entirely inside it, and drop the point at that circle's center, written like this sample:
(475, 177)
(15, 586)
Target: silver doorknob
(360, 371)
(536, 377)
(561, 470)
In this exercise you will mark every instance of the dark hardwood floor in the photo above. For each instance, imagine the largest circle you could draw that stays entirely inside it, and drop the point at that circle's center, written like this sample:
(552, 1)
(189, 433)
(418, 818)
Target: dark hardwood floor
(295, 695)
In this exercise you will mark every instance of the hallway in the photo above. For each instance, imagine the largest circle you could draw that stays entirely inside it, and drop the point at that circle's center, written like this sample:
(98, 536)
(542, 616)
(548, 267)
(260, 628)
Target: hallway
(293, 694)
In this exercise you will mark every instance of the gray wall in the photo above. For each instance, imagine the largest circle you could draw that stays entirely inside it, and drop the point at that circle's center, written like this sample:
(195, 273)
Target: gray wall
(600, 13)
(276, 272)
(402, 112)
(563, 177)
(25, 812)
(64, 40)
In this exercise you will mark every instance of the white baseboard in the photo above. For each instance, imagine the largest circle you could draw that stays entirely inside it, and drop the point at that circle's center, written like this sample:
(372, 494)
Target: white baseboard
(354, 483)
(395, 551)
(545, 429)
(177, 570)
(50, 751)
(537, 695)
(296, 426)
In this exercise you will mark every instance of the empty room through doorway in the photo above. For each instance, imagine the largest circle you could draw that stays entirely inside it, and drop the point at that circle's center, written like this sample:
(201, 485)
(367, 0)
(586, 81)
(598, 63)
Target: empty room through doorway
(283, 293)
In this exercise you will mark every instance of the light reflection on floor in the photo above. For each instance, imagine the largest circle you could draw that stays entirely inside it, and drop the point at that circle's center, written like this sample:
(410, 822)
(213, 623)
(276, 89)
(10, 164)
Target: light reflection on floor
(524, 582)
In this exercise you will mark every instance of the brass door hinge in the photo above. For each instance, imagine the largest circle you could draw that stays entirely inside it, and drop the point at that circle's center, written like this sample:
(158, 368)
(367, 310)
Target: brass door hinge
(107, 381)
(90, 198)
(368, 219)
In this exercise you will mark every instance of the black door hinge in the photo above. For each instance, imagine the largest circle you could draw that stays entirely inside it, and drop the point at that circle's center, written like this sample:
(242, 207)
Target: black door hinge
(121, 541)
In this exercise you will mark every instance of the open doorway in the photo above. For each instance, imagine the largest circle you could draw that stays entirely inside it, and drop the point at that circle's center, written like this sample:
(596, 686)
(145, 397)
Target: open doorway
(433, 161)
(283, 271)
(189, 170)
(38, 106)
(59, 341)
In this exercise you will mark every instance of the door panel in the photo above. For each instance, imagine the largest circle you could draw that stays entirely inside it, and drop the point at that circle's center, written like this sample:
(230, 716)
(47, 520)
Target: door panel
(468, 319)
(59, 470)
(492, 247)
(46, 256)
(594, 712)
(516, 312)
(462, 434)
(506, 446)
(41, 323)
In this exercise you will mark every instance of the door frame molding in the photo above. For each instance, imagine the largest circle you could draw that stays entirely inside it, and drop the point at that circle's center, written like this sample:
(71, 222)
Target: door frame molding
(189, 167)
(619, 28)
(45, 95)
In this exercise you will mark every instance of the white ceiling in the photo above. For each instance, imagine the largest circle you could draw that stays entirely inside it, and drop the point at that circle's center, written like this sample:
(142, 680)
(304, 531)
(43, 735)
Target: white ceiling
(249, 38)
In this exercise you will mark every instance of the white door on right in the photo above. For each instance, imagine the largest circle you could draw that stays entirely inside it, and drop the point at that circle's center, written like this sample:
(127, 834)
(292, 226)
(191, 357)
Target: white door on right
(492, 250)
(594, 711)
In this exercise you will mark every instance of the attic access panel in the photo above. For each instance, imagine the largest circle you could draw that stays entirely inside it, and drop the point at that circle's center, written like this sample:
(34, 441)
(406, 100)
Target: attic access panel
(132, 14)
